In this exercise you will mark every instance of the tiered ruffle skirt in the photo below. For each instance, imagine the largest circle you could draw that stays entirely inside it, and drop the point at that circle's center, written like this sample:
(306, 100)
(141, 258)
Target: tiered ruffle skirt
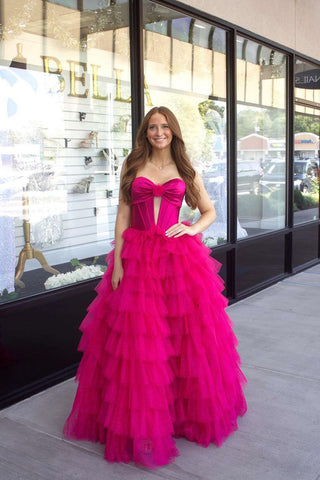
(160, 358)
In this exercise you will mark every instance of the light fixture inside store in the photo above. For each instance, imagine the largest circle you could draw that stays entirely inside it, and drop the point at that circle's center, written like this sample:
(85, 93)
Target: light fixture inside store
(20, 17)
(19, 61)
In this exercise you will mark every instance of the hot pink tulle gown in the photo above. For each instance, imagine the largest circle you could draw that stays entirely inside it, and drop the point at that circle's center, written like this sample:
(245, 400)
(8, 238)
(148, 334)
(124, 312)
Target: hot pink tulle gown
(160, 357)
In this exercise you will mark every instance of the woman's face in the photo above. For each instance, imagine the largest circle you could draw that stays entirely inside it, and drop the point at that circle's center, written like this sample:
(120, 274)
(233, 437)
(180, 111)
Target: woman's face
(159, 134)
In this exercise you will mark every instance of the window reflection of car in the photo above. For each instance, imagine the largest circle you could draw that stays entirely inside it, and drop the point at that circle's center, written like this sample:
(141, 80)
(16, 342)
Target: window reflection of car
(248, 176)
(274, 177)
(304, 173)
(214, 175)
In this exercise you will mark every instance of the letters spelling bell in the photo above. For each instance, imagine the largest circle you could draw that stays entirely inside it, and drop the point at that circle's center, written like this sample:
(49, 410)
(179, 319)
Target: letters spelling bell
(54, 66)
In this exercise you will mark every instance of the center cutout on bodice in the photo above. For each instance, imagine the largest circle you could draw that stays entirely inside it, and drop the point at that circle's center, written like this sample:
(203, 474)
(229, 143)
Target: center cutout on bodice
(156, 208)
(158, 190)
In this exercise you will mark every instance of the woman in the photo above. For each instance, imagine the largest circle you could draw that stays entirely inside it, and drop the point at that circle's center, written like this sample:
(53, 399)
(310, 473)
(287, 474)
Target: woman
(159, 351)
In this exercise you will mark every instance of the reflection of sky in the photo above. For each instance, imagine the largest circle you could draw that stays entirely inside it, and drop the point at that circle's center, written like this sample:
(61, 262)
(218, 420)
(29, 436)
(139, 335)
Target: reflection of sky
(158, 27)
(180, 28)
(25, 101)
(70, 3)
(27, 112)
(201, 32)
(245, 106)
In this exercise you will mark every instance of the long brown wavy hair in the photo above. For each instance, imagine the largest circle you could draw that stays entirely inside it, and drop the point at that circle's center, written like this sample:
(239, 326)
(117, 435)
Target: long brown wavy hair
(142, 151)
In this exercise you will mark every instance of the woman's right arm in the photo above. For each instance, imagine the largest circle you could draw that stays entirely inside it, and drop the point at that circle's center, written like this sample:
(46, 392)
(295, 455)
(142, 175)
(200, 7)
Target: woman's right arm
(122, 223)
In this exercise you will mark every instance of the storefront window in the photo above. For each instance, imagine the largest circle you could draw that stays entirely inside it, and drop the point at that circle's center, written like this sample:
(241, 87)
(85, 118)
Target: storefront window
(185, 70)
(261, 133)
(65, 128)
(306, 142)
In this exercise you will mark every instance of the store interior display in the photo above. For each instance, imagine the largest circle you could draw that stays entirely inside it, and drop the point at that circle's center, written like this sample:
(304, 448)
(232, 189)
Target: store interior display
(47, 232)
(82, 271)
(122, 124)
(91, 141)
(36, 279)
(47, 224)
(19, 61)
(112, 161)
(83, 186)
(28, 252)
(88, 161)
(48, 143)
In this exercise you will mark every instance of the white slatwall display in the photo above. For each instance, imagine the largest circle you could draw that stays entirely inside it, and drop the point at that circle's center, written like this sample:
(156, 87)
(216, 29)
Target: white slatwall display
(84, 216)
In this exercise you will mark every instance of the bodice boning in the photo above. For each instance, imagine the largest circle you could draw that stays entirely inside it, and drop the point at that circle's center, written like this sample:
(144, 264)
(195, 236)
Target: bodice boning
(143, 192)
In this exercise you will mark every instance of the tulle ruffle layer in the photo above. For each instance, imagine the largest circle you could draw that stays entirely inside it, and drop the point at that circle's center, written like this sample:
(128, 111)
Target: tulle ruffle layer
(160, 355)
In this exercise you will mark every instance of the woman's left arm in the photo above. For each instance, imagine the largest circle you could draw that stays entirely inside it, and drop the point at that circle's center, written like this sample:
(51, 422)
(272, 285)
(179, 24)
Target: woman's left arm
(208, 215)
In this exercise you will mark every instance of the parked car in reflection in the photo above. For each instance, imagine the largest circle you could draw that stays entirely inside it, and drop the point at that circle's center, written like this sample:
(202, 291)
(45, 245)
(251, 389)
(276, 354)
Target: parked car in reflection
(274, 177)
(249, 174)
(304, 174)
(213, 175)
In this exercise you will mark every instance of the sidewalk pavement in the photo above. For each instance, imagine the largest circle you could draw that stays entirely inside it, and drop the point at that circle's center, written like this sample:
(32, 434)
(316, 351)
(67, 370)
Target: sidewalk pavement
(278, 439)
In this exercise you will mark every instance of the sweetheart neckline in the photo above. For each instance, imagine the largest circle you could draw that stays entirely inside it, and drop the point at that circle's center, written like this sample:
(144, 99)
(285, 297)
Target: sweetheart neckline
(161, 184)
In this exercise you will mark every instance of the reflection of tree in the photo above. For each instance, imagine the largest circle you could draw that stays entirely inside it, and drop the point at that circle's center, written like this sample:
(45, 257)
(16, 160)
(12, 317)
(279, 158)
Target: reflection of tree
(213, 120)
(185, 109)
(303, 123)
(212, 114)
(214, 167)
(269, 123)
(315, 182)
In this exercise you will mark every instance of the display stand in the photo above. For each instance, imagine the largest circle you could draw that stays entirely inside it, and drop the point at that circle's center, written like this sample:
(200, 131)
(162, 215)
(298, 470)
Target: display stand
(28, 252)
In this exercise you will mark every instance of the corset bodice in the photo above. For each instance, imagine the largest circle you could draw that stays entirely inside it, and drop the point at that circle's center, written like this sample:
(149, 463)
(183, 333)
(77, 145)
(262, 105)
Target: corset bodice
(143, 192)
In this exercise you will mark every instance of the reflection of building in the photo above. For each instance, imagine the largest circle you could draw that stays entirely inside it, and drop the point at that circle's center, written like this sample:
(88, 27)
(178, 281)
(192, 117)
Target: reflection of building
(253, 147)
(261, 149)
(277, 149)
(97, 77)
(306, 145)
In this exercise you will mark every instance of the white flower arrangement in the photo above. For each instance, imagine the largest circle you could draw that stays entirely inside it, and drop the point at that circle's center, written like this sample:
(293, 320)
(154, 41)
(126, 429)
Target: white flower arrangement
(83, 273)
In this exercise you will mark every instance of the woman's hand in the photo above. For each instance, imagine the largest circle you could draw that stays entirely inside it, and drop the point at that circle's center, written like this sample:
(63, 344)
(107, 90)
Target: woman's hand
(117, 276)
(207, 215)
(179, 229)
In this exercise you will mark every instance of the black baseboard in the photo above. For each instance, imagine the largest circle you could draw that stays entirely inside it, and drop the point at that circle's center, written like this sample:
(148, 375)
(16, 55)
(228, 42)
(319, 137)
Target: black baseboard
(38, 386)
